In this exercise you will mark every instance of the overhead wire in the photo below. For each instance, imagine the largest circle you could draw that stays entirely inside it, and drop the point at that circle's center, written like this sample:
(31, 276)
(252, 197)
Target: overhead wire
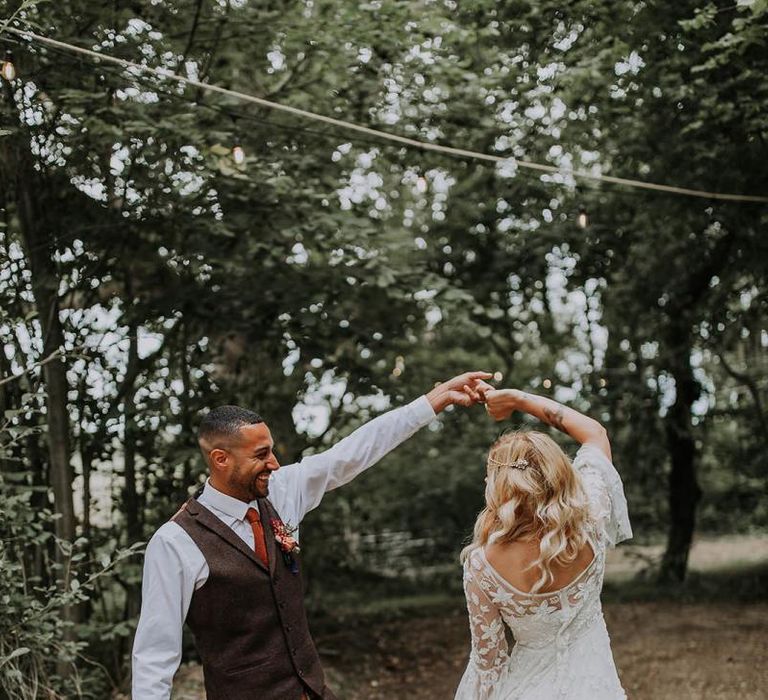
(236, 116)
(583, 195)
(166, 74)
(233, 114)
(333, 133)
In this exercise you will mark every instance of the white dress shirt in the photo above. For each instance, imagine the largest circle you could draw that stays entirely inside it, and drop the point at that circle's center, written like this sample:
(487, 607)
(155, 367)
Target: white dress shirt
(174, 567)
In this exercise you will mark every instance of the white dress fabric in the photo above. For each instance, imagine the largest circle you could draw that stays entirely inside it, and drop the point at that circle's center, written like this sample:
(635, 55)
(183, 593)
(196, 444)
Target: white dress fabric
(561, 646)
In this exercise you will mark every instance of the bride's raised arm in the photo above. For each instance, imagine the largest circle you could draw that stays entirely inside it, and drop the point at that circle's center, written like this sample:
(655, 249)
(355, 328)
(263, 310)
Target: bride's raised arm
(501, 403)
(593, 461)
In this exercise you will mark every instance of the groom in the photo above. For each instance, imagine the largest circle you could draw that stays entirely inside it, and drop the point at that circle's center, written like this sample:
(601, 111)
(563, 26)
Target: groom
(227, 564)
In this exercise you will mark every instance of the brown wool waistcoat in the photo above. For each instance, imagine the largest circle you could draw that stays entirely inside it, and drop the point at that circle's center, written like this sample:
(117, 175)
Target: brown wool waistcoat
(249, 624)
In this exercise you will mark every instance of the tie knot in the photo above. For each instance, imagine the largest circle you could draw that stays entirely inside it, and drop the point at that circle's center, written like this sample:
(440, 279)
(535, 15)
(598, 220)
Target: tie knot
(252, 516)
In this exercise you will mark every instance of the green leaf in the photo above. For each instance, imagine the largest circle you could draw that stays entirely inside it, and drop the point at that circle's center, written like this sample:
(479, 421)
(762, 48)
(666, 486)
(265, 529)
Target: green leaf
(15, 654)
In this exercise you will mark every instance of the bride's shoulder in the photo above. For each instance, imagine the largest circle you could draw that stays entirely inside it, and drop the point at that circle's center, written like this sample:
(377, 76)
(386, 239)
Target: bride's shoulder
(474, 558)
(512, 560)
(516, 552)
(475, 563)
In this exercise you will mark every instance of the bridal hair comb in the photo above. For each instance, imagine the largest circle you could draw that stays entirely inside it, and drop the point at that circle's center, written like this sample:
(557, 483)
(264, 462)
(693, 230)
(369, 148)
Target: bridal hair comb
(521, 464)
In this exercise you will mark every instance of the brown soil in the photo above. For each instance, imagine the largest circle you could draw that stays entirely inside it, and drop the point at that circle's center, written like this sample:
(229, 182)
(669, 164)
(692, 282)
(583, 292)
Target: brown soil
(663, 650)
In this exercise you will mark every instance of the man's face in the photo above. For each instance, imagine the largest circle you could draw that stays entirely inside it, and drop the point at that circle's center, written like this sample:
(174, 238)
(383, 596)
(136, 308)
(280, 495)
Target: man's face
(250, 463)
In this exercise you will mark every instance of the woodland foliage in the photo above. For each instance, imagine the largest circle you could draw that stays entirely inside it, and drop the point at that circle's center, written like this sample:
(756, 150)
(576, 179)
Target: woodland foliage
(146, 275)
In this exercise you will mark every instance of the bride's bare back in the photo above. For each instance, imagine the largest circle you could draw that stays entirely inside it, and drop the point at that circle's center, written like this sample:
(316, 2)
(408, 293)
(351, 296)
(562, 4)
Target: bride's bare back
(512, 559)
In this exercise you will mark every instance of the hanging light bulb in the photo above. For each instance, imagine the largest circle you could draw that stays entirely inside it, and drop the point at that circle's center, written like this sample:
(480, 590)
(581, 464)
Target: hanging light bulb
(238, 154)
(582, 219)
(8, 70)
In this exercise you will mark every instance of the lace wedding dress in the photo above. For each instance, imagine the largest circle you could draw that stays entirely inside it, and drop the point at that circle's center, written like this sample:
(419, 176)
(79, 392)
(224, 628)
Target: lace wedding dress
(561, 646)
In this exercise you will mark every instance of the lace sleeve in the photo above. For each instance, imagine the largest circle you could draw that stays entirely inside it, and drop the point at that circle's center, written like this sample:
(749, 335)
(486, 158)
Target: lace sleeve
(605, 492)
(488, 656)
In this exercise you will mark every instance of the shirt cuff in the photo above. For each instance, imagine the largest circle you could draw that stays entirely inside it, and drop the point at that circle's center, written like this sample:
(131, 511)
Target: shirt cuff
(422, 411)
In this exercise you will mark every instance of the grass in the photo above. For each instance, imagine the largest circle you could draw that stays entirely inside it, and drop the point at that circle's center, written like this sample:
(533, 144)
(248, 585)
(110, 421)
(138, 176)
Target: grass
(370, 599)
(738, 582)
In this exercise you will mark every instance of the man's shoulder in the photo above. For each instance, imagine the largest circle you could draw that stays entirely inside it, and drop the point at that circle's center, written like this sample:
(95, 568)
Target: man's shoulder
(169, 533)
(169, 542)
(182, 511)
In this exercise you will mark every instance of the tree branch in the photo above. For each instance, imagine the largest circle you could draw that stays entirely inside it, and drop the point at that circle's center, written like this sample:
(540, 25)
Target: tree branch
(54, 355)
(750, 383)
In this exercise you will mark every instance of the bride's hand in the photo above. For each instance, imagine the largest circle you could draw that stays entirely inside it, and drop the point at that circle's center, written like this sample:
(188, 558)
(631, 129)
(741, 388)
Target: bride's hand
(459, 390)
(477, 392)
(501, 403)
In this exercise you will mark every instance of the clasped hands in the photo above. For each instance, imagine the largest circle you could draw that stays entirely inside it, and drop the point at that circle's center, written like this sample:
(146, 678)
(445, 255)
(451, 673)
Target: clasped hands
(472, 388)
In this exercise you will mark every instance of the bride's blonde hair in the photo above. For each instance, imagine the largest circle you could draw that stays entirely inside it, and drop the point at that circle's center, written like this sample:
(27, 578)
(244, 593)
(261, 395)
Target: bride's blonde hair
(533, 493)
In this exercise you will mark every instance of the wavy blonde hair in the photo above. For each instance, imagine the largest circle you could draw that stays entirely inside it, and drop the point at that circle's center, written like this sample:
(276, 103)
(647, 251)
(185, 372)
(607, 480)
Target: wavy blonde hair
(544, 500)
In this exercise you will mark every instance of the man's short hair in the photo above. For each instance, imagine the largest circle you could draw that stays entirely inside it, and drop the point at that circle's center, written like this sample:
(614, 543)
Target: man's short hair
(224, 423)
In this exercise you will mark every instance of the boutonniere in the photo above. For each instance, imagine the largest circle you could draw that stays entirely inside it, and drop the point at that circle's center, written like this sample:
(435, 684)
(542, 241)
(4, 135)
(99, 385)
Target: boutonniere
(287, 542)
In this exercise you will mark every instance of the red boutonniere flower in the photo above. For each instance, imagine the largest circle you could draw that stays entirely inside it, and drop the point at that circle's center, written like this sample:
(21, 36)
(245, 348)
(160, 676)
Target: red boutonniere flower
(284, 536)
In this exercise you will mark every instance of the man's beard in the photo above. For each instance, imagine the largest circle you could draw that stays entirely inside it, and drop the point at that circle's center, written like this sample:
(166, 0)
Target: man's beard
(250, 488)
(261, 491)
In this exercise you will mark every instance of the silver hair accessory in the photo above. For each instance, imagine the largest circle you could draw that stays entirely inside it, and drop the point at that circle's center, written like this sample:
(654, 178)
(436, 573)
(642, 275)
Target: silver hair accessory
(521, 464)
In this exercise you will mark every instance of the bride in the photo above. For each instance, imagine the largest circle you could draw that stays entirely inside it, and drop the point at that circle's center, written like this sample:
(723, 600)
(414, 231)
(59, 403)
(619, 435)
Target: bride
(534, 569)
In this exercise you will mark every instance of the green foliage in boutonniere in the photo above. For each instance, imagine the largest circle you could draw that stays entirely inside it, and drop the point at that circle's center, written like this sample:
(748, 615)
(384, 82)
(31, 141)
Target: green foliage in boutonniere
(287, 542)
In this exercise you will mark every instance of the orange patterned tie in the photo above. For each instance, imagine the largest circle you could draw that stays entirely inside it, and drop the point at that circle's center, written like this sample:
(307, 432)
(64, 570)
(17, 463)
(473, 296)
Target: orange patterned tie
(259, 544)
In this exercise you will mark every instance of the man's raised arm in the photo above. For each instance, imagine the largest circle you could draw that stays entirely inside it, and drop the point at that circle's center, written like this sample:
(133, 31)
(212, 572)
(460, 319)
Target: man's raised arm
(302, 486)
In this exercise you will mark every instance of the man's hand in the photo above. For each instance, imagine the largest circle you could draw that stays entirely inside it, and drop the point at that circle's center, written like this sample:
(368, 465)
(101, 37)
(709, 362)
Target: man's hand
(462, 390)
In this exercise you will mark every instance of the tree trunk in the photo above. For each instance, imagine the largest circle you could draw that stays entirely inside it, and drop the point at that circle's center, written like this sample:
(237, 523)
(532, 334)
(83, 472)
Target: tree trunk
(684, 490)
(187, 431)
(9, 401)
(30, 190)
(37, 215)
(131, 501)
(130, 495)
(86, 457)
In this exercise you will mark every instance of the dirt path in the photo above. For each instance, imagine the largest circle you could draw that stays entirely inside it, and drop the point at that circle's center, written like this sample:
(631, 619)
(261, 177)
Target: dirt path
(664, 651)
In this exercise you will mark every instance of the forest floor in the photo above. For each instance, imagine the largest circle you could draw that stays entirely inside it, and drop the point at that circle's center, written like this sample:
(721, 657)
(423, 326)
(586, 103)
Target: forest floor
(706, 640)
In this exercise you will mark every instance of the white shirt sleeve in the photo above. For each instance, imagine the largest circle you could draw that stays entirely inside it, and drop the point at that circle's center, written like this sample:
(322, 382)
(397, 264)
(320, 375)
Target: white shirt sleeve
(172, 566)
(301, 486)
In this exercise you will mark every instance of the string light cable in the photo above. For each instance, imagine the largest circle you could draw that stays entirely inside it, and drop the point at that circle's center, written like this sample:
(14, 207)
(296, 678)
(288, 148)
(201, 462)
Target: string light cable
(237, 154)
(166, 74)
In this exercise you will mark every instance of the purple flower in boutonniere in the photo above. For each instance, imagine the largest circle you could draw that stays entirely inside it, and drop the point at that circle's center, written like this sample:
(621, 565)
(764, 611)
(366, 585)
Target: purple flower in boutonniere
(287, 542)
